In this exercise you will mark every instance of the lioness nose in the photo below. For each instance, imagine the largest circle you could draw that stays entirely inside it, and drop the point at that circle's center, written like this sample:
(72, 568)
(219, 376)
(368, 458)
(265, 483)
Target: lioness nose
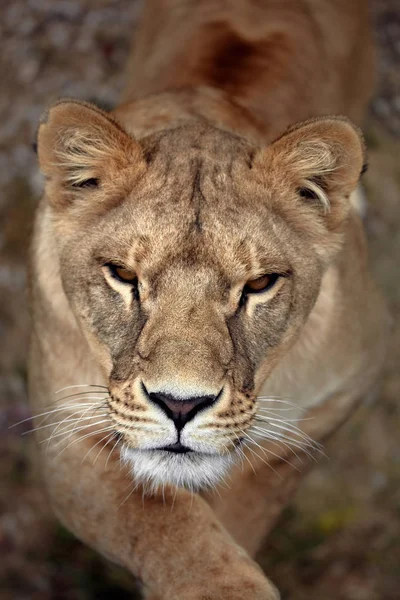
(181, 410)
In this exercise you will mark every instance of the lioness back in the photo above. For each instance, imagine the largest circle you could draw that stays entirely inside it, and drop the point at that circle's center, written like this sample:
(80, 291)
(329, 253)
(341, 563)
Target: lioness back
(284, 61)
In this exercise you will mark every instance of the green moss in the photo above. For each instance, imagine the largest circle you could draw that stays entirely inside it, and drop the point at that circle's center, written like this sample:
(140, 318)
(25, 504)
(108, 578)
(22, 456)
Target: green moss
(332, 520)
(291, 540)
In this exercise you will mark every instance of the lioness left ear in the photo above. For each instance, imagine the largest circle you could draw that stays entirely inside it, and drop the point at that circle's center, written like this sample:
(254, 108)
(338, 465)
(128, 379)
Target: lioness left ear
(321, 159)
(82, 150)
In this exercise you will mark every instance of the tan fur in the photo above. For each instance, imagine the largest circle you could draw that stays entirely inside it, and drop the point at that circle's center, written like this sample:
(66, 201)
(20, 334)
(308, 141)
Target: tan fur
(198, 183)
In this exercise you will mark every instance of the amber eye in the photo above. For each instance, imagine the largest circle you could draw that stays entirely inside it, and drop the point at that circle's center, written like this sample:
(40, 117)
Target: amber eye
(123, 274)
(261, 284)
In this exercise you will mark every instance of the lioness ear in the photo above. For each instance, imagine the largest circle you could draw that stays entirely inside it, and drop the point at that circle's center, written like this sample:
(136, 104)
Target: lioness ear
(82, 150)
(321, 160)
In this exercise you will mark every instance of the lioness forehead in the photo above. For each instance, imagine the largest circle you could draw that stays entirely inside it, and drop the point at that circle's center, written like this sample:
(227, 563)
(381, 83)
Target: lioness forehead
(197, 140)
(196, 204)
(194, 170)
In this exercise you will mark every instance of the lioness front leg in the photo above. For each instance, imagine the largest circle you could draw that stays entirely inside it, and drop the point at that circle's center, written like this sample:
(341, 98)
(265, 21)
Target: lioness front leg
(174, 544)
(260, 489)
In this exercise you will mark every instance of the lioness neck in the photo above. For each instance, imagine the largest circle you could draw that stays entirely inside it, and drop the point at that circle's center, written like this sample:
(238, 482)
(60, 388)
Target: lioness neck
(254, 68)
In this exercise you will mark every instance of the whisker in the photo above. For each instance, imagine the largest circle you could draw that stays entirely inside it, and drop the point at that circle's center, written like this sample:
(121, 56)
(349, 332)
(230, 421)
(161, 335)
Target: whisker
(69, 387)
(240, 453)
(67, 430)
(81, 438)
(214, 489)
(287, 445)
(61, 433)
(282, 438)
(80, 395)
(174, 498)
(290, 444)
(285, 420)
(244, 455)
(262, 460)
(71, 404)
(134, 488)
(128, 477)
(298, 435)
(74, 404)
(113, 448)
(66, 420)
(82, 417)
(223, 483)
(107, 438)
(274, 398)
(279, 401)
(289, 427)
(97, 415)
(278, 436)
(266, 451)
(92, 448)
(70, 432)
(163, 497)
(132, 427)
(49, 412)
(71, 400)
(274, 409)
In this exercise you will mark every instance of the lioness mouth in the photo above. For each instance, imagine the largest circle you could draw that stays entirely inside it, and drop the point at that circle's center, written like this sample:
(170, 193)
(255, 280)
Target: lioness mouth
(178, 448)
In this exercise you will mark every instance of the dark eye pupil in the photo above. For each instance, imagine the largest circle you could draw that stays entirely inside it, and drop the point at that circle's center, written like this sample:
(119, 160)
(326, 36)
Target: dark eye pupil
(261, 284)
(122, 274)
(125, 274)
(87, 183)
(308, 194)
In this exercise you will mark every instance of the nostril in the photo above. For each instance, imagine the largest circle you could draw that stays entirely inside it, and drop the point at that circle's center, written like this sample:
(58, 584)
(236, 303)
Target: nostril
(181, 410)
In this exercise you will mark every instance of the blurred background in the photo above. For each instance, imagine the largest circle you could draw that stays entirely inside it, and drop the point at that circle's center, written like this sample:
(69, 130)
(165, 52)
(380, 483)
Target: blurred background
(340, 538)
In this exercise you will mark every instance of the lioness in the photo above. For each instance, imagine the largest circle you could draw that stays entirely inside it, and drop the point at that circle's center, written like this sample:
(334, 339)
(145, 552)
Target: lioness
(203, 314)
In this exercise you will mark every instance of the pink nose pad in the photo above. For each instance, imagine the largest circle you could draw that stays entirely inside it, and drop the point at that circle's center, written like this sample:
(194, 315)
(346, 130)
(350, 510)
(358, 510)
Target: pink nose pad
(182, 407)
(181, 410)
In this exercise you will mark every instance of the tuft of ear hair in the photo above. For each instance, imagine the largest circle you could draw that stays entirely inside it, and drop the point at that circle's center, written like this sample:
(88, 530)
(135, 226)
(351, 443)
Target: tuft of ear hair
(321, 159)
(81, 147)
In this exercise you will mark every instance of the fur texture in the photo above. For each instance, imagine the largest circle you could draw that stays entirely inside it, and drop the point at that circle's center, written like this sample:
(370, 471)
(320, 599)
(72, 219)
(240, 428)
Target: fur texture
(170, 367)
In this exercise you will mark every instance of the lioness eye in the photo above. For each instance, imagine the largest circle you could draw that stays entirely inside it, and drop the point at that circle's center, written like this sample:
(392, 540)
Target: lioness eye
(122, 274)
(261, 284)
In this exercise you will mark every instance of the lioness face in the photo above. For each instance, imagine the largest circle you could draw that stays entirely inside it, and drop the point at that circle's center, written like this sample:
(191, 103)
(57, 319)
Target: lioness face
(191, 261)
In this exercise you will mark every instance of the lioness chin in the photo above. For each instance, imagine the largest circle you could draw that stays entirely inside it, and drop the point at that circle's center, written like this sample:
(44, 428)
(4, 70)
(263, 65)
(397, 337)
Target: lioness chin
(202, 308)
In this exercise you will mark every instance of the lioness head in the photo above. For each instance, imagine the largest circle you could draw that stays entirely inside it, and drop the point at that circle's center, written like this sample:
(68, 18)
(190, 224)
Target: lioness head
(191, 260)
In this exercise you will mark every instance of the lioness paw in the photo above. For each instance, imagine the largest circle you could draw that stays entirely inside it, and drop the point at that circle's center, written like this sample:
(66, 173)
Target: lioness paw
(234, 586)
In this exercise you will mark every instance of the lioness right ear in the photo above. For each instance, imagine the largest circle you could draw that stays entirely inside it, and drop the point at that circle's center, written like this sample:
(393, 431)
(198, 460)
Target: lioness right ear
(321, 159)
(82, 149)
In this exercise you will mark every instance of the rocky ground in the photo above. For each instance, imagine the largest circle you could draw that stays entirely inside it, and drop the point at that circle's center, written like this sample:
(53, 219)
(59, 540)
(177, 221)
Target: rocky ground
(340, 538)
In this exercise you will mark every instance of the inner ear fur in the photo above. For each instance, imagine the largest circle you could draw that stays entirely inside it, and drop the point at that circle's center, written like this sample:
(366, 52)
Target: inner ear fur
(322, 159)
(81, 148)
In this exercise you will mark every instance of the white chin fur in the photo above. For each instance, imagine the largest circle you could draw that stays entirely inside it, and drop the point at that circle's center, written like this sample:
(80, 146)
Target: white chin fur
(193, 471)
